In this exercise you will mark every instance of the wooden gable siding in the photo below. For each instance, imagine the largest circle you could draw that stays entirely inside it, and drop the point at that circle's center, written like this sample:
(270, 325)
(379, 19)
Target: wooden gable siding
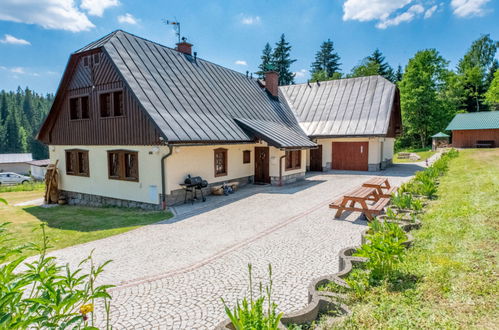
(134, 128)
(395, 125)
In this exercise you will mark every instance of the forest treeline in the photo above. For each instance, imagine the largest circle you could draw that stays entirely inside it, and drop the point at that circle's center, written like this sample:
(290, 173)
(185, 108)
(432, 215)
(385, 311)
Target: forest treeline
(21, 114)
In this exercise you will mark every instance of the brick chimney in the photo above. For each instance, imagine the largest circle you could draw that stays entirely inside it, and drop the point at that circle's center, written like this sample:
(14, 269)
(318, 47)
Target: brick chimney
(184, 47)
(272, 82)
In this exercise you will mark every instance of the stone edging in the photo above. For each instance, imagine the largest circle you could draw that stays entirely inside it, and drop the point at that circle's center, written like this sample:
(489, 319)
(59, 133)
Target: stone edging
(320, 301)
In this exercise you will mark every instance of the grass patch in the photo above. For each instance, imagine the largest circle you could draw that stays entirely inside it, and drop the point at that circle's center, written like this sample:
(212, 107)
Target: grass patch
(70, 225)
(31, 186)
(450, 274)
(424, 153)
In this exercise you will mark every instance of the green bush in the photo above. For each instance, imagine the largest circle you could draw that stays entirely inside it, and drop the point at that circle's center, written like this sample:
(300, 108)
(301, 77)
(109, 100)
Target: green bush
(45, 295)
(251, 314)
(384, 248)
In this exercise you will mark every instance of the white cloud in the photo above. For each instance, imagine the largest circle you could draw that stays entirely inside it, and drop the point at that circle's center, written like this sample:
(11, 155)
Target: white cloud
(97, 7)
(467, 8)
(17, 69)
(9, 39)
(368, 10)
(50, 14)
(406, 16)
(128, 19)
(430, 11)
(250, 20)
(302, 73)
(240, 62)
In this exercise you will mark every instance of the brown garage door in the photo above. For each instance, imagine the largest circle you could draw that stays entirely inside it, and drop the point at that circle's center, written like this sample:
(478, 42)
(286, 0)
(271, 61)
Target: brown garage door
(350, 156)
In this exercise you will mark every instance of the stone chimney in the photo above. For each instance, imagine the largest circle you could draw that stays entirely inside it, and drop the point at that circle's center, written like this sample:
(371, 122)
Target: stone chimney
(184, 47)
(272, 82)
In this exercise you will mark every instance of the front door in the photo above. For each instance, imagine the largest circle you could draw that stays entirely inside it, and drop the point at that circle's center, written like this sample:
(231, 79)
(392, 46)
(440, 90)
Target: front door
(262, 165)
(316, 159)
(351, 156)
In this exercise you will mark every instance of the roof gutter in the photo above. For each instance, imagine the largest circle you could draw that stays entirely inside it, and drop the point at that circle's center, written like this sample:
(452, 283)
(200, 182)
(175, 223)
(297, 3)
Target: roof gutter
(163, 185)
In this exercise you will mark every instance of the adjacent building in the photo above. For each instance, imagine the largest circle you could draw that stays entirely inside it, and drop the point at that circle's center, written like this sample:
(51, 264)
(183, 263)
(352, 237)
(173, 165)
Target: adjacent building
(475, 129)
(17, 163)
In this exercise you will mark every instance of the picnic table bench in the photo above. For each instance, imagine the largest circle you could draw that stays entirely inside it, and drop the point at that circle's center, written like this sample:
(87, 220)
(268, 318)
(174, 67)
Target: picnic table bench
(382, 186)
(360, 196)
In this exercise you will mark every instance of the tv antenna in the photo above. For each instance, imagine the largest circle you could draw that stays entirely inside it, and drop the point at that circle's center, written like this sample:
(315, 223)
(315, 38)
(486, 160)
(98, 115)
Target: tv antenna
(176, 26)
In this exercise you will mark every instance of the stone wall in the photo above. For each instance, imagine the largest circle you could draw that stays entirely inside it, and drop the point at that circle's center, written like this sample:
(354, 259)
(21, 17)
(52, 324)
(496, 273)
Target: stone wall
(286, 179)
(76, 198)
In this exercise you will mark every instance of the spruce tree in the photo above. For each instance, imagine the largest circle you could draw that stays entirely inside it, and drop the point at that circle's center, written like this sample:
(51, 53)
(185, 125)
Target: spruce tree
(399, 74)
(4, 107)
(281, 59)
(266, 63)
(385, 69)
(327, 60)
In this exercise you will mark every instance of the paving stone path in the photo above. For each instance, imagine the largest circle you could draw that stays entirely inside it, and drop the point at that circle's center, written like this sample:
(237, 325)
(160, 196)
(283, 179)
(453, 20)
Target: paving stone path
(172, 275)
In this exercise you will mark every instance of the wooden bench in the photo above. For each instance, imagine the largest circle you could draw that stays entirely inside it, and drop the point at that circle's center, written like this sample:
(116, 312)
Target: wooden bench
(370, 212)
(388, 193)
(485, 144)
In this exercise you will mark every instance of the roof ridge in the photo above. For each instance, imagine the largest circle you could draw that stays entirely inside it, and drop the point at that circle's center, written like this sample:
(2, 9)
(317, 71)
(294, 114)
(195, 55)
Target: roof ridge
(339, 79)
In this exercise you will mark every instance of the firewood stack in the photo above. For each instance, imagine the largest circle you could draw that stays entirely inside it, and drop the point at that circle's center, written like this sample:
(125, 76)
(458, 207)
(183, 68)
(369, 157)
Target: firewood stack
(52, 184)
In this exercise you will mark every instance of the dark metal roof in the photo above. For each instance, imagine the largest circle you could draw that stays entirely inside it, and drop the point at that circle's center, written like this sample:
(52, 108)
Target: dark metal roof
(192, 99)
(276, 134)
(345, 107)
(475, 120)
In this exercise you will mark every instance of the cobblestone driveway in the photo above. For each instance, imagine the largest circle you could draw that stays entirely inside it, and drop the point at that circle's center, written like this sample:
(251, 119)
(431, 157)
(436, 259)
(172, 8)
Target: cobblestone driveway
(171, 275)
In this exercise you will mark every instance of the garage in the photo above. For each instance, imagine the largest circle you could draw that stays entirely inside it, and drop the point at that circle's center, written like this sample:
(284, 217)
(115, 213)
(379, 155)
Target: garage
(352, 156)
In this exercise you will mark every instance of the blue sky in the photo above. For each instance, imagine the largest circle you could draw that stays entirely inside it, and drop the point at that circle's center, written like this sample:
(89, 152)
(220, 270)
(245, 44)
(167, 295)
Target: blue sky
(37, 36)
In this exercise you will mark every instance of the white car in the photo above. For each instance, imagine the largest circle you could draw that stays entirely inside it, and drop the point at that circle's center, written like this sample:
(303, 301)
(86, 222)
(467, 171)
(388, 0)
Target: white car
(13, 178)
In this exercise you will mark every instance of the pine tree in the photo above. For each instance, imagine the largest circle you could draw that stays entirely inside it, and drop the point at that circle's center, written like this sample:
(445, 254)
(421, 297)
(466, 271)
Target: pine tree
(281, 59)
(4, 107)
(399, 74)
(266, 58)
(385, 69)
(327, 60)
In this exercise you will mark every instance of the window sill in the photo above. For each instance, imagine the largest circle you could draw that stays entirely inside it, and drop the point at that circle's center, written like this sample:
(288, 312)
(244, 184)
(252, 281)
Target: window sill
(79, 119)
(75, 174)
(112, 117)
(123, 179)
(220, 174)
(292, 168)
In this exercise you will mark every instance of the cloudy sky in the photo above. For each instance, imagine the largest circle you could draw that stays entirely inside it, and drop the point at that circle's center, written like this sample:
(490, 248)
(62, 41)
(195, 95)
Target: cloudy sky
(37, 36)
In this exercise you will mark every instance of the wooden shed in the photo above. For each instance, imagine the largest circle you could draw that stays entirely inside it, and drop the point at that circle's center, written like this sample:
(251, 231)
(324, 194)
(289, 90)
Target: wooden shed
(475, 130)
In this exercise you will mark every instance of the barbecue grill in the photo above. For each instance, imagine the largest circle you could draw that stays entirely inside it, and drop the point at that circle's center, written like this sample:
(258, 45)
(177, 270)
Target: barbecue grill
(191, 185)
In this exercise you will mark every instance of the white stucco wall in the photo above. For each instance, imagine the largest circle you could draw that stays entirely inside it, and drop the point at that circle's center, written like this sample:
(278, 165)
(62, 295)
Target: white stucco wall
(184, 160)
(147, 190)
(38, 172)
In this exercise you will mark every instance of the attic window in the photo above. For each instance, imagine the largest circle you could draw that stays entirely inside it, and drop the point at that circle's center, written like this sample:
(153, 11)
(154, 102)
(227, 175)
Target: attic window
(85, 61)
(111, 104)
(96, 59)
(79, 108)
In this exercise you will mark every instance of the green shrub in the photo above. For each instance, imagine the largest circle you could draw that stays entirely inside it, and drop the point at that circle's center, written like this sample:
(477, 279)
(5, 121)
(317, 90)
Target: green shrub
(384, 249)
(252, 314)
(44, 295)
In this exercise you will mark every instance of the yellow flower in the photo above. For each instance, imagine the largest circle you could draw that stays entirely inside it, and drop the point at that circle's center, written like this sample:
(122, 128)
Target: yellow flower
(86, 308)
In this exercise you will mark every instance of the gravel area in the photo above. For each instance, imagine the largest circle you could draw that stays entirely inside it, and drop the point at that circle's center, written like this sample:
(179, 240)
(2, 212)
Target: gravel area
(171, 275)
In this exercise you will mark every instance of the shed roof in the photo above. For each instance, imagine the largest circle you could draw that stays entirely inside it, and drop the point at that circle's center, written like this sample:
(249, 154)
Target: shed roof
(193, 100)
(440, 135)
(15, 158)
(475, 120)
(40, 163)
(344, 107)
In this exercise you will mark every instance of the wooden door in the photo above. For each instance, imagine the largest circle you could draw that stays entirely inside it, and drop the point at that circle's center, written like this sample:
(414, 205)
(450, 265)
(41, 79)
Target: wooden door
(262, 165)
(316, 159)
(351, 156)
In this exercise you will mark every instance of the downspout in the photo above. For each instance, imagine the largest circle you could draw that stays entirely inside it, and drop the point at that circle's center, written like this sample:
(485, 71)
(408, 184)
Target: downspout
(280, 168)
(163, 186)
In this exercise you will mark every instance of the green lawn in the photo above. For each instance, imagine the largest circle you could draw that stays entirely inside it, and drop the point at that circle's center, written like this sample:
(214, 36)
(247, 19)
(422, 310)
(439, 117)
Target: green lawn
(424, 153)
(69, 225)
(451, 276)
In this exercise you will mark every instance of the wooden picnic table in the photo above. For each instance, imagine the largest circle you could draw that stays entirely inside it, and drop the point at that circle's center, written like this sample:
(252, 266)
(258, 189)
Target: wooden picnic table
(382, 186)
(360, 195)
